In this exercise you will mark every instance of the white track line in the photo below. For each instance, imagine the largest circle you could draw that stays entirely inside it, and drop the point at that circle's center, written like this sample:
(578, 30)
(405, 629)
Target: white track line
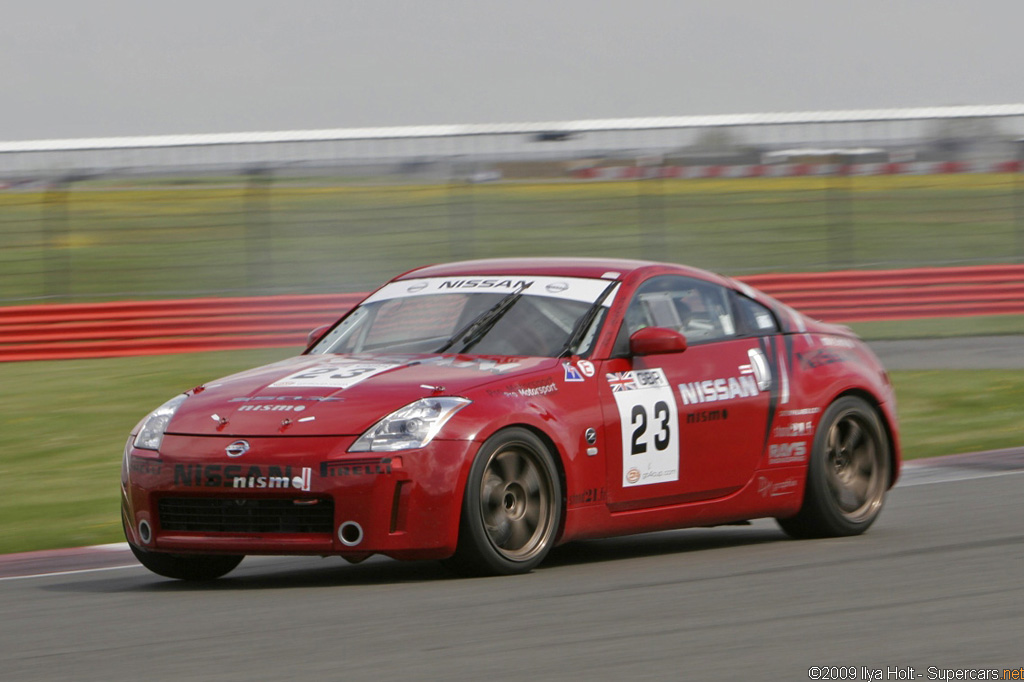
(59, 573)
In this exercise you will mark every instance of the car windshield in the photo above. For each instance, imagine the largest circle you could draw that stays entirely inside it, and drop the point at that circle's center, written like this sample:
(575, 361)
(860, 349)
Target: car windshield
(495, 315)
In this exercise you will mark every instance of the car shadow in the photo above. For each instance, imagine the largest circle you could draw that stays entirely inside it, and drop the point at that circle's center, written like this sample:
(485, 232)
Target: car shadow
(658, 544)
(282, 573)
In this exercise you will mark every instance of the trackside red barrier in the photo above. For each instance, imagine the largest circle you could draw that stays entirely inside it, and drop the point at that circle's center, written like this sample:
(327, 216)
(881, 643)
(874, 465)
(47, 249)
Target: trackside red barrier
(877, 295)
(122, 328)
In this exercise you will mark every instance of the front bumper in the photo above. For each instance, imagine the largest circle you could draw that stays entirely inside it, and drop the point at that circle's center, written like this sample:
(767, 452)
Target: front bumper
(294, 496)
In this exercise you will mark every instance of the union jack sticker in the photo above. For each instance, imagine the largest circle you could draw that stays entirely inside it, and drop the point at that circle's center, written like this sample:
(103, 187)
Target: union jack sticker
(621, 381)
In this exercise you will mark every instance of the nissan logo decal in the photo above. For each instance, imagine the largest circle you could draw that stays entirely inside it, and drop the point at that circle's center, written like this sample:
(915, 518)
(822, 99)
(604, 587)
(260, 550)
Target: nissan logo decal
(238, 448)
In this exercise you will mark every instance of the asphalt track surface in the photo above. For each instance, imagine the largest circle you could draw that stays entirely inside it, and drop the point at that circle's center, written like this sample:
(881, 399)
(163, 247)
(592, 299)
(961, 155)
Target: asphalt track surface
(936, 583)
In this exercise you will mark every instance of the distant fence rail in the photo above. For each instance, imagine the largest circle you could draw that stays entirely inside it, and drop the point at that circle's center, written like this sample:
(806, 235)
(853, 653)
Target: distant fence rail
(98, 330)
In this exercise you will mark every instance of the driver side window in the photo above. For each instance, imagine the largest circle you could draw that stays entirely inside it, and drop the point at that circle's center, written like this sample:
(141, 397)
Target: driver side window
(698, 310)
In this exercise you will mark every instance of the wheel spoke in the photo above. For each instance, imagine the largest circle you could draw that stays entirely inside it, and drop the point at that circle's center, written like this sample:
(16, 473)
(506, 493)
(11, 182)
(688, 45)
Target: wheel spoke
(510, 464)
(491, 493)
(519, 534)
(530, 480)
(854, 434)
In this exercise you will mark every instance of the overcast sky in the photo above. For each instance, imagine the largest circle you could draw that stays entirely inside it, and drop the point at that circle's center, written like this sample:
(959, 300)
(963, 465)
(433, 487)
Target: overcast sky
(76, 68)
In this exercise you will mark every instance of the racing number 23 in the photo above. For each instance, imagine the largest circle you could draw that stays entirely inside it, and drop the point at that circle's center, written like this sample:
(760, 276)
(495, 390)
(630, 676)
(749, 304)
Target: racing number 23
(662, 421)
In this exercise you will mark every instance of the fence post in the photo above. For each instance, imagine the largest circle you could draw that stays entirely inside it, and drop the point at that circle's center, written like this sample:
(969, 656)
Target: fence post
(57, 272)
(1018, 203)
(461, 212)
(651, 208)
(840, 222)
(258, 251)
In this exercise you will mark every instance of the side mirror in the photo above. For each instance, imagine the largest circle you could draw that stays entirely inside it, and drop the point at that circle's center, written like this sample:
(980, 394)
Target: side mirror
(655, 341)
(315, 335)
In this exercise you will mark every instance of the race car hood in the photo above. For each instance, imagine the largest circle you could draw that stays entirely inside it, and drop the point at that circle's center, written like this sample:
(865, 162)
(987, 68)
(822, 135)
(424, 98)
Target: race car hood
(331, 395)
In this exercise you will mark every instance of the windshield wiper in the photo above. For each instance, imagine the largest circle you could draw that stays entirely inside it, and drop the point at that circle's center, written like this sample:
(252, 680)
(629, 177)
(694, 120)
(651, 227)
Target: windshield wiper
(584, 322)
(484, 322)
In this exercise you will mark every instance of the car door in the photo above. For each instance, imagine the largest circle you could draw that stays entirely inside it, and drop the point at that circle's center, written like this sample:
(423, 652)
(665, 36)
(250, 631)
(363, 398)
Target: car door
(689, 425)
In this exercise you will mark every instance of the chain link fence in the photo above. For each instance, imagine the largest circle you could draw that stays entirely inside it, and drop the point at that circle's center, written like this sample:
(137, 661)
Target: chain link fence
(343, 210)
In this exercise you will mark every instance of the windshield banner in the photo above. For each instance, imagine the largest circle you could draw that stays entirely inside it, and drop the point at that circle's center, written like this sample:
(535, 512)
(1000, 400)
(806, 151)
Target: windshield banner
(570, 288)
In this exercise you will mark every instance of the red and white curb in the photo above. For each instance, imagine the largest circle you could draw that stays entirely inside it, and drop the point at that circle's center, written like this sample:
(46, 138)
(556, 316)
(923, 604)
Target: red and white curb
(790, 170)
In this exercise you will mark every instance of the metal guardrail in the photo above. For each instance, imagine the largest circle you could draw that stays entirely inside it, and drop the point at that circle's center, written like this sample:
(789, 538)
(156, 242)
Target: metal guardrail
(95, 330)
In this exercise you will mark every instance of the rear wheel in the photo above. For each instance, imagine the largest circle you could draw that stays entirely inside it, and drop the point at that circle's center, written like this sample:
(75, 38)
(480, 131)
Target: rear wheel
(187, 566)
(847, 476)
(511, 508)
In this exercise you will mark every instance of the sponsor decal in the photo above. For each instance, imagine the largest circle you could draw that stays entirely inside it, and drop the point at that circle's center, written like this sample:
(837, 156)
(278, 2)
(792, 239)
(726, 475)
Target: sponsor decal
(477, 364)
(271, 408)
(837, 342)
(800, 413)
(717, 390)
(146, 467)
(704, 416)
(787, 453)
(824, 357)
(492, 283)
(241, 476)
(529, 389)
(571, 373)
(372, 466)
(586, 367)
(794, 430)
(569, 288)
(340, 375)
(589, 496)
(649, 423)
(769, 488)
(286, 398)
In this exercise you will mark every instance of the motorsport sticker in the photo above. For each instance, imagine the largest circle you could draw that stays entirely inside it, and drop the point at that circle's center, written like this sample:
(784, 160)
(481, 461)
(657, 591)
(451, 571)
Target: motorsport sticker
(571, 373)
(769, 488)
(340, 375)
(478, 364)
(587, 367)
(650, 423)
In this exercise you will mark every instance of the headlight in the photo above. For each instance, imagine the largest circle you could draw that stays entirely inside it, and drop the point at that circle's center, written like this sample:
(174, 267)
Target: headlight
(413, 426)
(152, 432)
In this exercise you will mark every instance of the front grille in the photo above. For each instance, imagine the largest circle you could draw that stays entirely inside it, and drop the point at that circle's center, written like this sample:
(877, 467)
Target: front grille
(243, 515)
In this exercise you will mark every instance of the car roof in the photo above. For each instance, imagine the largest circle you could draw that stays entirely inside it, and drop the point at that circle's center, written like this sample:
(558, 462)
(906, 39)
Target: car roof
(598, 268)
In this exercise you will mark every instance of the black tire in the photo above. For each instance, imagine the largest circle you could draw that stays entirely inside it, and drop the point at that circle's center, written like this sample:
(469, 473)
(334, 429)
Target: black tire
(187, 566)
(847, 476)
(511, 509)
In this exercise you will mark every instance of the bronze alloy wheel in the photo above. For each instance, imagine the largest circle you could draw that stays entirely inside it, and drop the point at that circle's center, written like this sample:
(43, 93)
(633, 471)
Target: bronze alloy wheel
(516, 496)
(857, 467)
(847, 475)
(512, 506)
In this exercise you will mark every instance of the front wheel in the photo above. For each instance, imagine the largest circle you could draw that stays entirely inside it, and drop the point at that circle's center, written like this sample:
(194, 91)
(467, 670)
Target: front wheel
(847, 476)
(511, 508)
(187, 566)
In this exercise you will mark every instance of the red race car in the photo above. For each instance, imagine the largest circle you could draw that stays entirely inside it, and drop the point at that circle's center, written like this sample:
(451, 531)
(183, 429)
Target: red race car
(483, 412)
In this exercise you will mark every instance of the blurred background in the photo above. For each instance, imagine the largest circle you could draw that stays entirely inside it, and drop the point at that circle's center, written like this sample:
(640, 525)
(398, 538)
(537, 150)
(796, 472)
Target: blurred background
(342, 210)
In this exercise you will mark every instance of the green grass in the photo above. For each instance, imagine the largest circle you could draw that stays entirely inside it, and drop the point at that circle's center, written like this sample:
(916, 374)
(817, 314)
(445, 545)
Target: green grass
(156, 240)
(65, 424)
(941, 327)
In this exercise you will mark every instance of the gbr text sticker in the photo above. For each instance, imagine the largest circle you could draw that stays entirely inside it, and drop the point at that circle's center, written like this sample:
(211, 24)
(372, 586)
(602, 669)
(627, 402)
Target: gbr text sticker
(340, 375)
(650, 423)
